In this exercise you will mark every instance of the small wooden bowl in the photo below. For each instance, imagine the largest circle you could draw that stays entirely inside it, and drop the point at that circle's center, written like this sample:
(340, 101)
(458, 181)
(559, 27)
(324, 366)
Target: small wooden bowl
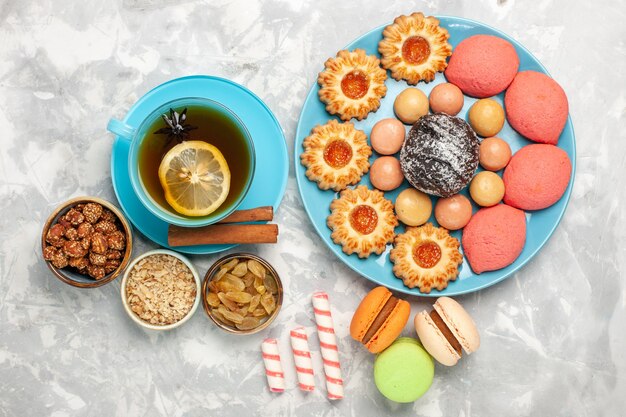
(72, 277)
(205, 292)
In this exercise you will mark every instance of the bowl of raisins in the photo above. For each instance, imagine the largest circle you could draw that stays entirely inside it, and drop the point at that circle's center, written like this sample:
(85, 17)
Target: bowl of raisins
(242, 293)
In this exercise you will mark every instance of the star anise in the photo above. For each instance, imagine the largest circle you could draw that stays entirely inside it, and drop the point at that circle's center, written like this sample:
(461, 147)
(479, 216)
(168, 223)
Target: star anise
(176, 128)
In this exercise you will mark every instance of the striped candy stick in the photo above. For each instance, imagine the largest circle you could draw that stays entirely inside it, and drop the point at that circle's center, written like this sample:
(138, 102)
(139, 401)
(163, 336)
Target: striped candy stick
(328, 345)
(302, 359)
(273, 367)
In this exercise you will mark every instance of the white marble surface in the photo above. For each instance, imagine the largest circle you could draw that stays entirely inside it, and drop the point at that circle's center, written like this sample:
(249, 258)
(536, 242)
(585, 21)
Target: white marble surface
(553, 336)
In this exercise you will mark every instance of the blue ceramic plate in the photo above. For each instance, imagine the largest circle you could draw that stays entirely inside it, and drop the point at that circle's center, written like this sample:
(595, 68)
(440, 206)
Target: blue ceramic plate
(540, 224)
(272, 163)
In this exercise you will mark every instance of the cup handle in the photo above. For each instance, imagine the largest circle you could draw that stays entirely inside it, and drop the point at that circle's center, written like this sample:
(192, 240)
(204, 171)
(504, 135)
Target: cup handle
(121, 129)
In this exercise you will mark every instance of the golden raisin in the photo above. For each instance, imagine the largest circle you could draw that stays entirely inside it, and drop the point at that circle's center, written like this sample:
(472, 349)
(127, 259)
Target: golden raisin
(239, 297)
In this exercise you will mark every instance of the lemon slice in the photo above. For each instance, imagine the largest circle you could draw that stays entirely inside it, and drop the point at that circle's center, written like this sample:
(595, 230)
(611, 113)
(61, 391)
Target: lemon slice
(195, 178)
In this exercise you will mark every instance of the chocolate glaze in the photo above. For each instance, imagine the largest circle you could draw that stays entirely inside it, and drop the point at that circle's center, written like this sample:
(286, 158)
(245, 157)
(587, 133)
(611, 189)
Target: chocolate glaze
(440, 154)
(446, 331)
(383, 315)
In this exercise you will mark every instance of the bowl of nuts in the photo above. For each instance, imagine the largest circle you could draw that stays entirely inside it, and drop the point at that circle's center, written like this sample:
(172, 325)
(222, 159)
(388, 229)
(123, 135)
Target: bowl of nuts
(242, 293)
(160, 290)
(86, 242)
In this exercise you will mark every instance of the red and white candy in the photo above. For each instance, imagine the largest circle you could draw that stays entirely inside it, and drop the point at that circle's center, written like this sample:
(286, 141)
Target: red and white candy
(302, 359)
(273, 367)
(328, 345)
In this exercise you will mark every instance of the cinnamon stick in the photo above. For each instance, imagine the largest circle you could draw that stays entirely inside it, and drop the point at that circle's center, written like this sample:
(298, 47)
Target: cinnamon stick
(222, 234)
(265, 213)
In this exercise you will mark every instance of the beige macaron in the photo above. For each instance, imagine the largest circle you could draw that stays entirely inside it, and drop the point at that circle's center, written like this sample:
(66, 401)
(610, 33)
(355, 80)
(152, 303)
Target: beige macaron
(447, 331)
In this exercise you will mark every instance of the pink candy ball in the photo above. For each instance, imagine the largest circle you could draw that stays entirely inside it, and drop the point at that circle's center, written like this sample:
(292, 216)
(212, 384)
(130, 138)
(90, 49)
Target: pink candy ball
(385, 173)
(494, 153)
(446, 98)
(387, 136)
(453, 212)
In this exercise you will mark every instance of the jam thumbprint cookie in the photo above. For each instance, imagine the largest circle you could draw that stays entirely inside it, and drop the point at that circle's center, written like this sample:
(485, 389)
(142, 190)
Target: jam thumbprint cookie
(426, 257)
(336, 155)
(415, 48)
(352, 84)
(362, 221)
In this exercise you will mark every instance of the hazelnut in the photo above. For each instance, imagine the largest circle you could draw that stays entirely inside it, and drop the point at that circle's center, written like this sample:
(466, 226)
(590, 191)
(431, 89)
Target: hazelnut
(108, 215)
(85, 230)
(114, 254)
(99, 243)
(74, 216)
(74, 249)
(71, 234)
(92, 212)
(105, 227)
(116, 240)
(111, 265)
(97, 259)
(55, 234)
(64, 222)
(59, 260)
(79, 263)
(60, 243)
(96, 272)
(49, 253)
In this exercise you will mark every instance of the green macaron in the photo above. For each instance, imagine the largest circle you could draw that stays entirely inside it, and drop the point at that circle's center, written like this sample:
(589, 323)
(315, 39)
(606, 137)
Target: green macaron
(404, 371)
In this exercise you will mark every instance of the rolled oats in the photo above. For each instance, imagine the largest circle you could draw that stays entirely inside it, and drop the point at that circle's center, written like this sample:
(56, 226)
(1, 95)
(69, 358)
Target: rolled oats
(161, 289)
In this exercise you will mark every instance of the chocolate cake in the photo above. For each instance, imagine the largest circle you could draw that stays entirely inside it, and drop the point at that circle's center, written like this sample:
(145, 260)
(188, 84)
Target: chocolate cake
(440, 154)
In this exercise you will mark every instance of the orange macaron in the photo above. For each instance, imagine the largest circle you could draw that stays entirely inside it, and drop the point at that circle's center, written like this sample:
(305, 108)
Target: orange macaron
(379, 319)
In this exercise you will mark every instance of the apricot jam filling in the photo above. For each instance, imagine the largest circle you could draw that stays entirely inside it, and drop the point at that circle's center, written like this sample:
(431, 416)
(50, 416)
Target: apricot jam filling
(363, 219)
(426, 254)
(355, 84)
(337, 153)
(415, 50)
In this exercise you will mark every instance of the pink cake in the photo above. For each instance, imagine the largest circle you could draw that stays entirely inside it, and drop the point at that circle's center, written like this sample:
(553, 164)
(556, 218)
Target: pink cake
(482, 65)
(494, 237)
(536, 106)
(536, 177)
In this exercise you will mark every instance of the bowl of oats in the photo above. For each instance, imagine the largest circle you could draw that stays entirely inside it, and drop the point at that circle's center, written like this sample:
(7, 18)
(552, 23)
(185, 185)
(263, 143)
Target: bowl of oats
(242, 293)
(160, 290)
